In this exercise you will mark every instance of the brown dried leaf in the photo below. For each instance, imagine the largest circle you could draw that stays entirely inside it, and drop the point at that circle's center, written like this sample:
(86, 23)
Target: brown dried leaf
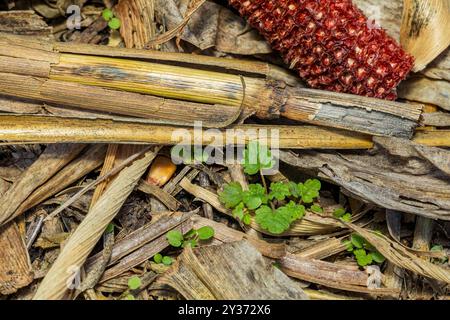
(229, 271)
(83, 240)
(235, 36)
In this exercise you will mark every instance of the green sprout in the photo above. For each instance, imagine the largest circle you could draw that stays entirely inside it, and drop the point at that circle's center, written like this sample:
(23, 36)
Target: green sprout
(176, 238)
(363, 251)
(113, 22)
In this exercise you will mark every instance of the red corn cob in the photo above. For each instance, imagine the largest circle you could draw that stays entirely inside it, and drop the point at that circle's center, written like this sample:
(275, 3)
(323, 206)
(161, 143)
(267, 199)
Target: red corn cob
(330, 44)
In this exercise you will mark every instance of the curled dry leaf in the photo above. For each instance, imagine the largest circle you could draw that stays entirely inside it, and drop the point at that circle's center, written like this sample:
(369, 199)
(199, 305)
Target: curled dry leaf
(425, 30)
(235, 36)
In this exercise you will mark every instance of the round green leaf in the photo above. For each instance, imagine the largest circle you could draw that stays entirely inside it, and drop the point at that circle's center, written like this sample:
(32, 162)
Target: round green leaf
(348, 245)
(346, 217)
(339, 212)
(190, 234)
(357, 240)
(175, 238)
(107, 14)
(109, 228)
(134, 283)
(274, 222)
(316, 208)
(238, 212)
(231, 195)
(167, 261)
(158, 258)
(114, 23)
(253, 203)
(247, 219)
(205, 233)
(377, 257)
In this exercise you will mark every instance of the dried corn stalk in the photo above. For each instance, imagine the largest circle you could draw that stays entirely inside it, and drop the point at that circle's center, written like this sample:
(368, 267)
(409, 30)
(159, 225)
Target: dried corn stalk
(154, 89)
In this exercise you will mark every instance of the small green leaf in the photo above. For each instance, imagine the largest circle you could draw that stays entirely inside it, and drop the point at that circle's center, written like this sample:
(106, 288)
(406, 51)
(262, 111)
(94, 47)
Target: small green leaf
(253, 202)
(362, 258)
(349, 246)
(175, 238)
(293, 188)
(231, 195)
(279, 191)
(158, 258)
(238, 212)
(346, 217)
(257, 189)
(377, 257)
(292, 210)
(129, 297)
(114, 23)
(437, 248)
(254, 197)
(167, 261)
(274, 222)
(251, 169)
(339, 212)
(107, 14)
(309, 190)
(134, 283)
(247, 219)
(205, 233)
(110, 228)
(316, 208)
(357, 240)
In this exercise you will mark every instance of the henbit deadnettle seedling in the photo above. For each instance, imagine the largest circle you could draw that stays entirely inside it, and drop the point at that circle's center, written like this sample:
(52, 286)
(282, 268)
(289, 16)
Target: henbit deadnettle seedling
(363, 251)
(276, 210)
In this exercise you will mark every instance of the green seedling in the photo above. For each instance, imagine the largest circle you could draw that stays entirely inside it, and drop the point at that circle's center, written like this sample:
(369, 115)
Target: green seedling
(176, 238)
(363, 251)
(275, 210)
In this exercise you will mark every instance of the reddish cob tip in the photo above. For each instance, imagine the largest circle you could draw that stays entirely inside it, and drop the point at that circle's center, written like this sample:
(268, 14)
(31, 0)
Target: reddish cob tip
(331, 44)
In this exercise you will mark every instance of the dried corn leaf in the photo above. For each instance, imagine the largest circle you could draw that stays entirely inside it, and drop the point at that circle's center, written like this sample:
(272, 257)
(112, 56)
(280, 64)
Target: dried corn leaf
(83, 240)
(15, 265)
(235, 36)
(228, 272)
(90, 159)
(330, 275)
(53, 159)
